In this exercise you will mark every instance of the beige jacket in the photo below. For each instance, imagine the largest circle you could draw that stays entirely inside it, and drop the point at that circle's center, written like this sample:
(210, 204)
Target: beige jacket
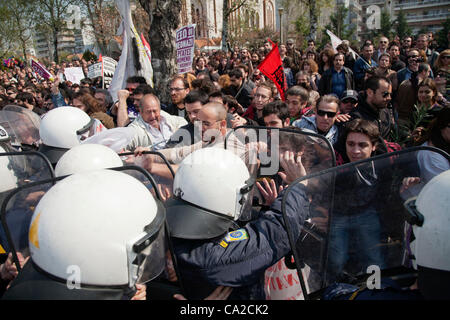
(143, 138)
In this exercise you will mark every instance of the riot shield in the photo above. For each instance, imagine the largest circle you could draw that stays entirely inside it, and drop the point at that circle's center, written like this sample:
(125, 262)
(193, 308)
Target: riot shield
(22, 126)
(19, 169)
(354, 224)
(265, 146)
(155, 163)
(150, 271)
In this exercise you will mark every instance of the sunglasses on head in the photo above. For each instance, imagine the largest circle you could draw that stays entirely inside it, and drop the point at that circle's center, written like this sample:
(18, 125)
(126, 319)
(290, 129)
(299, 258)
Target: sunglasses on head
(328, 113)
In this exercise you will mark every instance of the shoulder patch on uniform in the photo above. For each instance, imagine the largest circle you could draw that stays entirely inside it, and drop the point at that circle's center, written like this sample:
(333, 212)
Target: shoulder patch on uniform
(237, 235)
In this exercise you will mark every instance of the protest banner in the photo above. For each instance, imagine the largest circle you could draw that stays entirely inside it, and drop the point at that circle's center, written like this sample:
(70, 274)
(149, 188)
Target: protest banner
(272, 68)
(335, 41)
(40, 70)
(109, 67)
(74, 74)
(133, 60)
(185, 38)
(95, 70)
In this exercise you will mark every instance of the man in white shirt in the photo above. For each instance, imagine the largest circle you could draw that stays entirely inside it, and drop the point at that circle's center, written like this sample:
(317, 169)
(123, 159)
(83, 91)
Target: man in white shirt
(153, 126)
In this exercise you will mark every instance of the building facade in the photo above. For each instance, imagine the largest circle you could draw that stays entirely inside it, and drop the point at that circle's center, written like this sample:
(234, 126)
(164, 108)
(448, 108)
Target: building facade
(208, 16)
(420, 14)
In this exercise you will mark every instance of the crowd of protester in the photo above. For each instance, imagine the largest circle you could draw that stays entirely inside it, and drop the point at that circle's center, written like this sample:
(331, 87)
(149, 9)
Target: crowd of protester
(401, 89)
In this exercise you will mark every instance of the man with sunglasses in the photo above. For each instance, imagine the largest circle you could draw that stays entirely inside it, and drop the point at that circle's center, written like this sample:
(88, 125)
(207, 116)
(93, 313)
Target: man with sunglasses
(413, 60)
(373, 104)
(349, 101)
(382, 48)
(323, 122)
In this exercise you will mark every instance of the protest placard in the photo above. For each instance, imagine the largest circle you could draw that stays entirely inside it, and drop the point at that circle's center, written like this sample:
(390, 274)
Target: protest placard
(40, 70)
(95, 70)
(109, 67)
(74, 74)
(185, 48)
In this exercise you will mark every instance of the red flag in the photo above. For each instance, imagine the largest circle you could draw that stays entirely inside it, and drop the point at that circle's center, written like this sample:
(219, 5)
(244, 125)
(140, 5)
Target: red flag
(100, 59)
(272, 68)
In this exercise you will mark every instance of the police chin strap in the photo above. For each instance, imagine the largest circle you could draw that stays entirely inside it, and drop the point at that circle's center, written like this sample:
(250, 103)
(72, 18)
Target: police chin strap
(86, 127)
(413, 216)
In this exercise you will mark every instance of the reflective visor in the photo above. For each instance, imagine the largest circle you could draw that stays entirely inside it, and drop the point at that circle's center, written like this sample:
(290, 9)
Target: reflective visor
(245, 200)
(146, 256)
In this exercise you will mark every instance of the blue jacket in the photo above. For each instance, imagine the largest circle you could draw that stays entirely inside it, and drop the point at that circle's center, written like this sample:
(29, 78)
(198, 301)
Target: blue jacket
(206, 264)
(359, 70)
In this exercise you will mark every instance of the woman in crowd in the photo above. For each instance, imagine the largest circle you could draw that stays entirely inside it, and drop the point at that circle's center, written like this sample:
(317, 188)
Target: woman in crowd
(310, 66)
(325, 60)
(442, 62)
(200, 65)
(86, 102)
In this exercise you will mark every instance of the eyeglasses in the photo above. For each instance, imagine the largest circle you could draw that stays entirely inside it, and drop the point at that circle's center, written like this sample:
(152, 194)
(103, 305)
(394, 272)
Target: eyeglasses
(349, 101)
(383, 42)
(413, 57)
(176, 89)
(322, 113)
(446, 57)
(385, 94)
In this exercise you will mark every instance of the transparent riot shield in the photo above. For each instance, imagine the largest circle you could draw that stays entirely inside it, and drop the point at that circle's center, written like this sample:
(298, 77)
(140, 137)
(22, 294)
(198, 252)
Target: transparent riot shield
(22, 126)
(348, 223)
(265, 147)
(155, 163)
(20, 203)
(20, 169)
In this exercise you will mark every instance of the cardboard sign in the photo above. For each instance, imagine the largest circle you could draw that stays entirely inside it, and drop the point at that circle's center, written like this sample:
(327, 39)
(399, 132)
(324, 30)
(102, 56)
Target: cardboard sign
(109, 67)
(74, 74)
(185, 42)
(95, 70)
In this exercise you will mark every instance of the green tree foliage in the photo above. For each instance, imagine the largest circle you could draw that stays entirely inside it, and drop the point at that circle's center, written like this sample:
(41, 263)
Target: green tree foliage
(442, 38)
(385, 24)
(338, 25)
(401, 26)
(89, 55)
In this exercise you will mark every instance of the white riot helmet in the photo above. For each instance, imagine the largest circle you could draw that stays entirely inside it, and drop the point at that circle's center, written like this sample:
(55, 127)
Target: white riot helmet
(212, 189)
(92, 235)
(87, 157)
(431, 227)
(63, 128)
